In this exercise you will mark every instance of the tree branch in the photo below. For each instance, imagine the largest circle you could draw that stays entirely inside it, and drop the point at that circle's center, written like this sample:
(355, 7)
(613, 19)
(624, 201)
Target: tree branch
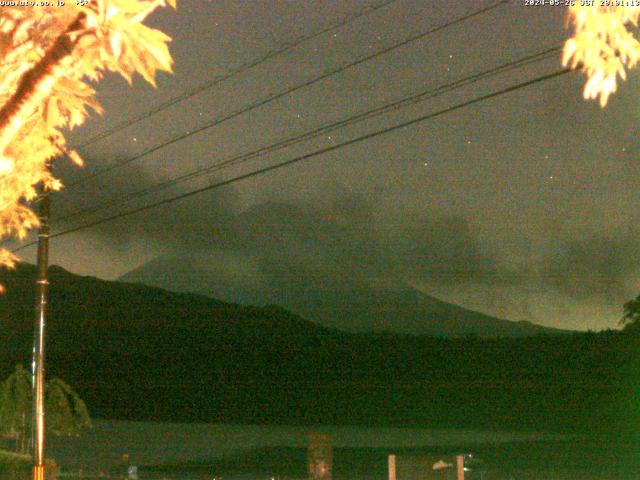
(36, 83)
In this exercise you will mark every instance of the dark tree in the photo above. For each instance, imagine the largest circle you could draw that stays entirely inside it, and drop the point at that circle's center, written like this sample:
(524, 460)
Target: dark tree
(631, 314)
(66, 412)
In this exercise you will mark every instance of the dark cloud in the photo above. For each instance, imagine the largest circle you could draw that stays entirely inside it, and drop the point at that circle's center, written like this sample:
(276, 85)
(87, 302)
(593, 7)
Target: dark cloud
(334, 242)
(186, 223)
(597, 266)
(445, 249)
(339, 243)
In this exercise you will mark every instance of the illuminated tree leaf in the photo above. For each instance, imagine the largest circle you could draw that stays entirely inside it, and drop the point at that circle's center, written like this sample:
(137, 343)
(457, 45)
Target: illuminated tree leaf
(602, 46)
(47, 56)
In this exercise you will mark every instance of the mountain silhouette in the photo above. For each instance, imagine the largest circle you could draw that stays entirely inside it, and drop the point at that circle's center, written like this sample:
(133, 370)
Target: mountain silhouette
(143, 353)
(324, 265)
(345, 306)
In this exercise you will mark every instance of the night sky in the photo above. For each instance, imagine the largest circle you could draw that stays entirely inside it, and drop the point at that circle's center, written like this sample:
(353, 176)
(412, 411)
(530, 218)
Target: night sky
(524, 206)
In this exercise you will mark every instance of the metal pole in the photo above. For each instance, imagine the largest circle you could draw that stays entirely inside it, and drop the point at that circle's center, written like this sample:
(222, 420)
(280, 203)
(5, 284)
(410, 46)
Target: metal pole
(42, 285)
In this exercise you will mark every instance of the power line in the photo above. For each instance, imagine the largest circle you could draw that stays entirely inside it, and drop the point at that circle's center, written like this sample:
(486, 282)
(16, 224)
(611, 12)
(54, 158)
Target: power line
(292, 140)
(286, 47)
(221, 78)
(271, 98)
(307, 156)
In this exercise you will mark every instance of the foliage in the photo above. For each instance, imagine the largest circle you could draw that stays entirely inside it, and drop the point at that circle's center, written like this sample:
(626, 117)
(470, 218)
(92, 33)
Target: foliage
(632, 313)
(66, 412)
(14, 459)
(602, 46)
(12, 464)
(18, 466)
(47, 57)
(15, 405)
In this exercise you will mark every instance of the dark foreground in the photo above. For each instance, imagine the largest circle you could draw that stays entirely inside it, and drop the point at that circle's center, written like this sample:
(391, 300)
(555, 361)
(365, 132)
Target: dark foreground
(584, 458)
(145, 354)
(602, 459)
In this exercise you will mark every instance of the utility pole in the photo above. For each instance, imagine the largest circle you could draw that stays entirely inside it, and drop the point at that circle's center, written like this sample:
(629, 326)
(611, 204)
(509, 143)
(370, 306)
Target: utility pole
(42, 288)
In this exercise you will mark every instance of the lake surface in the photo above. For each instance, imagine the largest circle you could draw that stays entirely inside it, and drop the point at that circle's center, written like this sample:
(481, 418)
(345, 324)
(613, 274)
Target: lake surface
(205, 451)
